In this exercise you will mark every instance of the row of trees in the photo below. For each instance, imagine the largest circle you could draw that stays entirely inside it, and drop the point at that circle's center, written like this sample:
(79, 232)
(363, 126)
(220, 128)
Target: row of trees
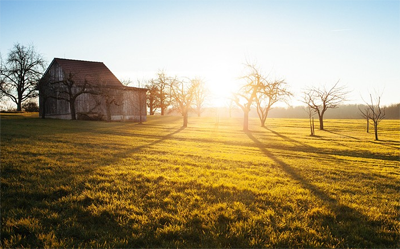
(23, 68)
(183, 95)
(176, 94)
(258, 89)
(265, 93)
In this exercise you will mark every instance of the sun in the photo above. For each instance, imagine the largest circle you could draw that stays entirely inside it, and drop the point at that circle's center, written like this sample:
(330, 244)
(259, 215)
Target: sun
(221, 86)
(220, 92)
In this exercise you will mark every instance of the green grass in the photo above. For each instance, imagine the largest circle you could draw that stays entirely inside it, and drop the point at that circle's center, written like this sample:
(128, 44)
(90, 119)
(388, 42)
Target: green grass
(99, 184)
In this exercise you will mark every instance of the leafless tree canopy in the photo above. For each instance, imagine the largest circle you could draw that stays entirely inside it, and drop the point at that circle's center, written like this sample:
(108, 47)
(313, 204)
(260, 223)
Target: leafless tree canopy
(374, 112)
(69, 91)
(183, 92)
(200, 95)
(164, 85)
(106, 95)
(320, 99)
(126, 82)
(159, 94)
(244, 98)
(20, 74)
(152, 97)
(270, 93)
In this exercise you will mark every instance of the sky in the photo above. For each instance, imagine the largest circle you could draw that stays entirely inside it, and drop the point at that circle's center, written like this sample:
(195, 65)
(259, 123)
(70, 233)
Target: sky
(306, 42)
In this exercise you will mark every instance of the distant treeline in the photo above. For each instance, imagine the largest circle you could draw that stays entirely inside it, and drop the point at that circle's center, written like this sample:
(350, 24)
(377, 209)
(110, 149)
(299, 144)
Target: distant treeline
(342, 112)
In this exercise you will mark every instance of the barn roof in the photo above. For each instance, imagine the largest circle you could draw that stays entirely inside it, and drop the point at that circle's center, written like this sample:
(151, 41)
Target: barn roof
(96, 73)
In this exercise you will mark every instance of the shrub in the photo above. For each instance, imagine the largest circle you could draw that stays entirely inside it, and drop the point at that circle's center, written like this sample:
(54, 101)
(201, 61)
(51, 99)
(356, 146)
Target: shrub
(30, 107)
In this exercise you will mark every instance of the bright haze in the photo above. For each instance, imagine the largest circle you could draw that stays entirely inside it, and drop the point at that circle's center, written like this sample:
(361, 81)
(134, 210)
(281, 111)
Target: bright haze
(308, 43)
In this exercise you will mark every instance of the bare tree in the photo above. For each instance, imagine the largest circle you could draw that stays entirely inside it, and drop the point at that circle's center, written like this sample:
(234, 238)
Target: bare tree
(200, 95)
(248, 92)
(269, 94)
(365, 114)
(164, 84)
(110, 99)
(183, 95)
(152, 97)
(310, 113)
(1, 83)
(322, 99)
(69, 91)
(109, 96)
(374, 112)
(126, 82)
(20, 74)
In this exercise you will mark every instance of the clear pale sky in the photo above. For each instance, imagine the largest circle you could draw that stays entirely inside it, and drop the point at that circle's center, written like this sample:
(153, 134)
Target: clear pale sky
(305, 42)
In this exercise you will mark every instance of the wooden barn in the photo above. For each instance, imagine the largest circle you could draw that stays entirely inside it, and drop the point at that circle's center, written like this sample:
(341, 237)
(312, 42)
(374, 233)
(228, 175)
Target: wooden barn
(76, 89)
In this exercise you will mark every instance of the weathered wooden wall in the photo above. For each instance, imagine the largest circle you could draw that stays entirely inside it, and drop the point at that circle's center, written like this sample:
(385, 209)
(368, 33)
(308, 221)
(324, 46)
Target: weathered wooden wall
(128, 105)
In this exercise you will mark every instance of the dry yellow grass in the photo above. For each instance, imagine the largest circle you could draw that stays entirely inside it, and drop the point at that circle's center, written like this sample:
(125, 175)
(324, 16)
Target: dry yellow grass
(99, 184)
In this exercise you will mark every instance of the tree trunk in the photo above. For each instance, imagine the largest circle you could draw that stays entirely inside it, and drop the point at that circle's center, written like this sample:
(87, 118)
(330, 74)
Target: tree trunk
(311, 126)
(376, 130)
(321, 122)
(264, 117)
(140, 118)
(19, 101)
(367, 125)
(263, 122)
(108, 111)
(245, 120)
(72, 107)
(185, 119)
(19, 106)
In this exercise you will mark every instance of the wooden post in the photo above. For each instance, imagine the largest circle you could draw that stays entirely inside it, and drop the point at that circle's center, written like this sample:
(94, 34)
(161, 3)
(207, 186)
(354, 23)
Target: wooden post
(313, 127)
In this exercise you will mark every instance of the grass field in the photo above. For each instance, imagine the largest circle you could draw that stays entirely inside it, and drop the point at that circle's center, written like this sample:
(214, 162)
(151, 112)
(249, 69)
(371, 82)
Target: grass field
(98, 184)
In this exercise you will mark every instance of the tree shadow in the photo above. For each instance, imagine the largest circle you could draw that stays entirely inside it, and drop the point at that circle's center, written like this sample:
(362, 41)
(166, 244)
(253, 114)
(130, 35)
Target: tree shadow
(141, 147)
(346, 219)
(79, 225)
(339, 134)
(388, 143)
(290, 139)
(328, 154)
(322, 151)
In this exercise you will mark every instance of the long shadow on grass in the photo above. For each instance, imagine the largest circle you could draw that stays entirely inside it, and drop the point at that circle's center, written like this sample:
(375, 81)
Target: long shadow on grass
(289, 139)
(350, 153)
(207, 228)
(163, 138)
(339, 134)
(73, 222)
(348, 224)
(388, 143)
(129, 152)
(308, 148)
